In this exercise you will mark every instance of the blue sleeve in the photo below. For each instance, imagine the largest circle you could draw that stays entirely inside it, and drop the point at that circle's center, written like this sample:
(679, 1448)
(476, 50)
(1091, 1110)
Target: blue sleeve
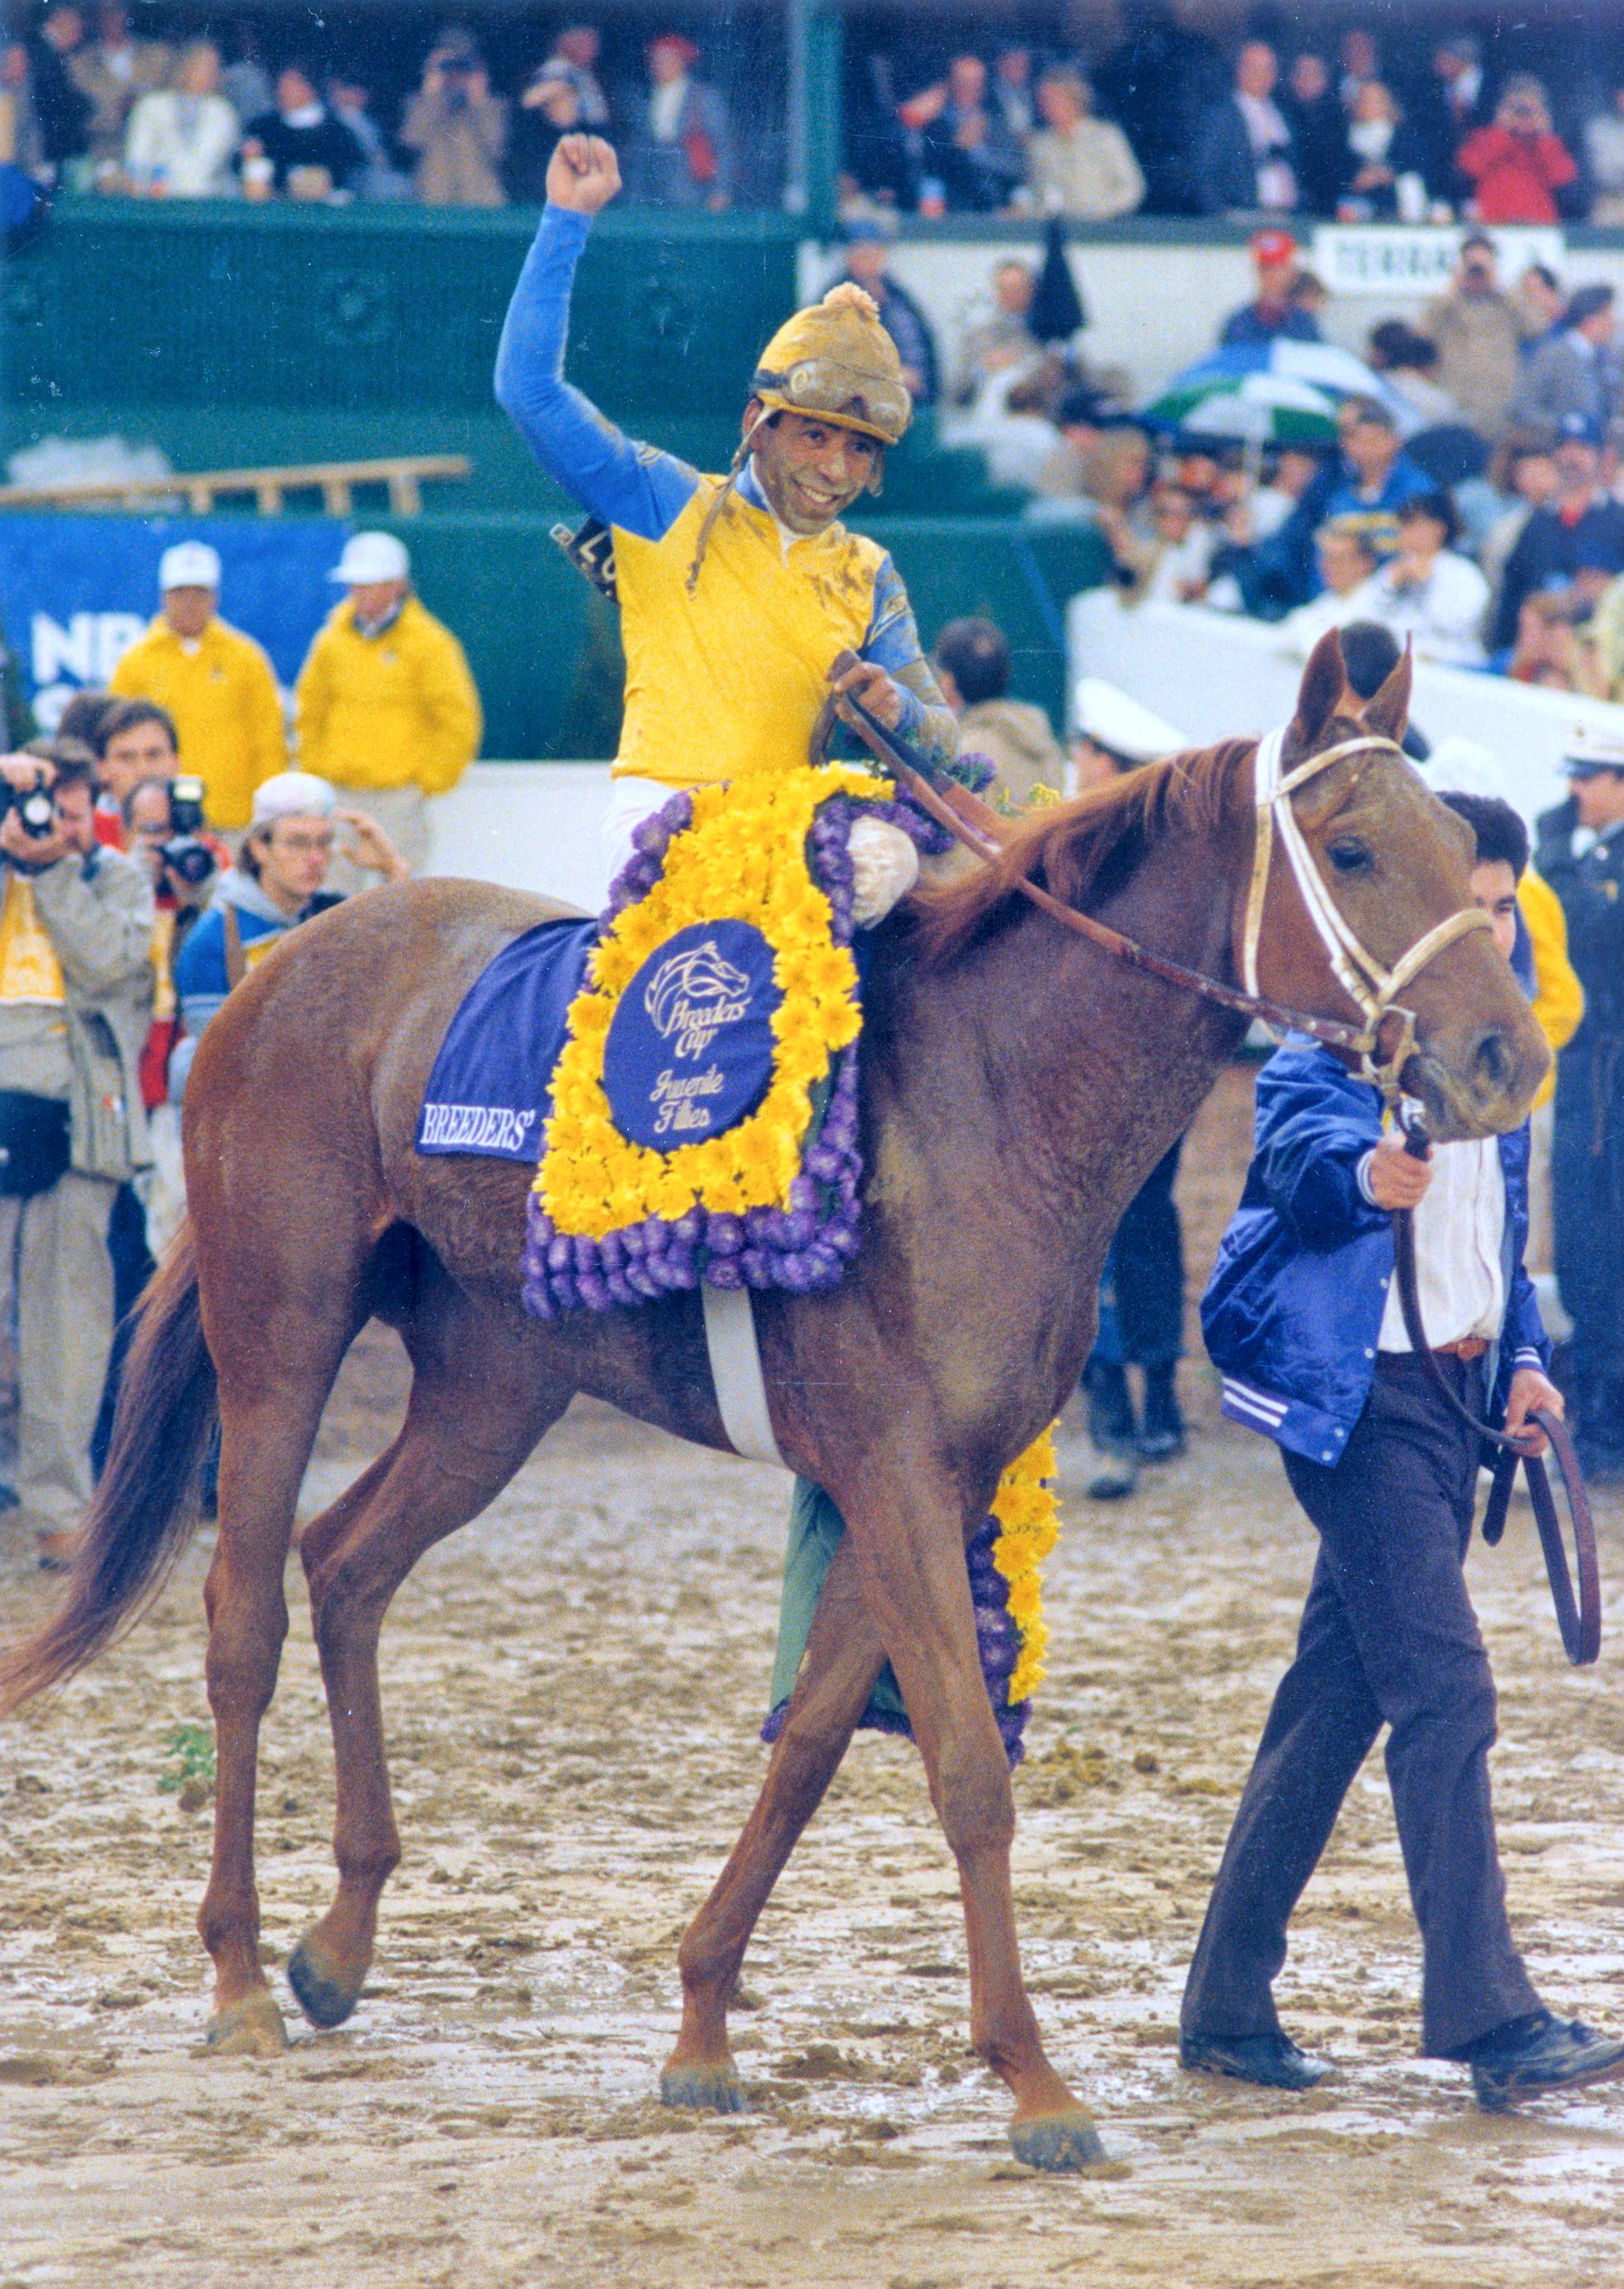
(620, 483)
(893, 641)
(201, 983)
(1312, 1134)
(1523, 1335)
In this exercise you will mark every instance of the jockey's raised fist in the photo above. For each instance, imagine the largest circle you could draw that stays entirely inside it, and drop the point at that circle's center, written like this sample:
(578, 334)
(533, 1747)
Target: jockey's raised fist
(583, 174)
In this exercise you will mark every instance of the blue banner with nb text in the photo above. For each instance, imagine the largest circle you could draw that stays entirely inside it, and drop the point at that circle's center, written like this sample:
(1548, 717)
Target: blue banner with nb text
(76, 592)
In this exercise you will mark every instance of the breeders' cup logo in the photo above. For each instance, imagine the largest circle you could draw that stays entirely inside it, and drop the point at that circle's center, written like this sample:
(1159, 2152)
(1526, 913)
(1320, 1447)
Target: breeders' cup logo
(693, 995)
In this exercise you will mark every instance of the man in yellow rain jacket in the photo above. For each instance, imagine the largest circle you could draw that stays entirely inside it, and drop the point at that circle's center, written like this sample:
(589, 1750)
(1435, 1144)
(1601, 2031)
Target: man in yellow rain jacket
(216, 682)
(385, 707)
(737, 593)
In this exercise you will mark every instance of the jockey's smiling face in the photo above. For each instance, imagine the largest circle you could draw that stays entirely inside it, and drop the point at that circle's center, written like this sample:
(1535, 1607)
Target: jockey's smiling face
(811, 471)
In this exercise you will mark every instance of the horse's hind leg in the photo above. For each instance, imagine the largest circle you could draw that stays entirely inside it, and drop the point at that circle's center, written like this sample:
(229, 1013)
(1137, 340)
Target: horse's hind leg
(844, 1656)
(480, 1401)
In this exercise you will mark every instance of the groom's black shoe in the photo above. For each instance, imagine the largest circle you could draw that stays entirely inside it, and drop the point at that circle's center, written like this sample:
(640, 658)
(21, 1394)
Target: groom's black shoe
(1274, 2060)
(1541, 2052)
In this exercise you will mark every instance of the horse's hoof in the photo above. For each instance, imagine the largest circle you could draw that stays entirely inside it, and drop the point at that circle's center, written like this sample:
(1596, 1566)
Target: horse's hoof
(325, 1999)
(1058, 2141)
(716, 2088)
(251, 2029)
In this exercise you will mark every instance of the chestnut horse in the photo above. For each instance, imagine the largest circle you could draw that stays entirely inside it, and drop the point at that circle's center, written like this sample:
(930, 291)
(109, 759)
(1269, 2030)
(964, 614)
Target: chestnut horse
(1018, 1085)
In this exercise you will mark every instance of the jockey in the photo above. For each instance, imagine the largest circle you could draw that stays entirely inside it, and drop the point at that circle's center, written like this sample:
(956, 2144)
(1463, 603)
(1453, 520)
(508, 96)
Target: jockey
(737, 593)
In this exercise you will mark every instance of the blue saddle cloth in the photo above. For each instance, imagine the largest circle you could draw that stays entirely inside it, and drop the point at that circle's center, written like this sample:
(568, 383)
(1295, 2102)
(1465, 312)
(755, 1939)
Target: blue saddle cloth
(488, 1090)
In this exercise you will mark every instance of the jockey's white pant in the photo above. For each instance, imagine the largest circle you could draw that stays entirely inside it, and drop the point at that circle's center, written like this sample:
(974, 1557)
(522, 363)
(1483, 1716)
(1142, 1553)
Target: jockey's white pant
(885, 863)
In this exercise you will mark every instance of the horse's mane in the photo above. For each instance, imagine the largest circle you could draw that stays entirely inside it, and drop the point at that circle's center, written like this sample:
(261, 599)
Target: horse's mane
(1068, 847)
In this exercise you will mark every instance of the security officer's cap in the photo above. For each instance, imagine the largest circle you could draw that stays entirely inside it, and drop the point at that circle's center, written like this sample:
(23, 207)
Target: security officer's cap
(1592, 750)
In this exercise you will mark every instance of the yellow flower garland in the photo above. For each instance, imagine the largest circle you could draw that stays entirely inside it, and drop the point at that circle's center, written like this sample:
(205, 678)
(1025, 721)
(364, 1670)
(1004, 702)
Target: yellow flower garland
(593, 1180)
(1028, 1527)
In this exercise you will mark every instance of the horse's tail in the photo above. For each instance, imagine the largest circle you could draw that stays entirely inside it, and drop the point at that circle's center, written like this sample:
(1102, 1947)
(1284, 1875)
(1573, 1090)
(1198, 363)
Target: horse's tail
(145, 1510)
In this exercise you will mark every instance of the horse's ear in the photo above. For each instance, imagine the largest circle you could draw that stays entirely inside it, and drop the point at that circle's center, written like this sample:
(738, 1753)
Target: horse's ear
(1325, 680)
(1387, 709)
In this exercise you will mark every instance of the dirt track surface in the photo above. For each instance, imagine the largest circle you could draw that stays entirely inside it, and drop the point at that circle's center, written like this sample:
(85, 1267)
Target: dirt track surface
(573, 1686)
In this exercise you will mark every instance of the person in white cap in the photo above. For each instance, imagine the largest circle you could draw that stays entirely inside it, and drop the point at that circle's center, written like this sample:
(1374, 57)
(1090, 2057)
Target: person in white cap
(216, 682)
(1111, 732)
(385, 706)
(282, 878)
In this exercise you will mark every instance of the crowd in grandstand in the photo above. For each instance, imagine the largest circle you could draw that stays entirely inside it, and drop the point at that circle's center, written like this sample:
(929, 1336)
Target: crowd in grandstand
(1166, 121)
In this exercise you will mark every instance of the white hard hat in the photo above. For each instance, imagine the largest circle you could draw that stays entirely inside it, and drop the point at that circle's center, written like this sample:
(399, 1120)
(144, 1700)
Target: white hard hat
(292, 795)
(1593, 748)
(1109, 718)
(370, 556)
(189, 564)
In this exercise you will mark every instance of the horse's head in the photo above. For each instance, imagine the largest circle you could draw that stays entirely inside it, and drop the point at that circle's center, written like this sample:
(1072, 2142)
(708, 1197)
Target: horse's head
(1396, 866)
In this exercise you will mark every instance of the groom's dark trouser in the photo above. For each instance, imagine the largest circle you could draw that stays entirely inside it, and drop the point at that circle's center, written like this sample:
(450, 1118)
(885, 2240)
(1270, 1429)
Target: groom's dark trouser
(1387, 1637)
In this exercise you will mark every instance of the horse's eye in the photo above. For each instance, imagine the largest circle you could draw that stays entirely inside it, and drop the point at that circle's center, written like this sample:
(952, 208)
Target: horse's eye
(1350, 857)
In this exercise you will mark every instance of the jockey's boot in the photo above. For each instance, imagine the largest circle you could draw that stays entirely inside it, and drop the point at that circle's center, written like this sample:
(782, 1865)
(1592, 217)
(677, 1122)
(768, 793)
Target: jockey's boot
(1161, 1430)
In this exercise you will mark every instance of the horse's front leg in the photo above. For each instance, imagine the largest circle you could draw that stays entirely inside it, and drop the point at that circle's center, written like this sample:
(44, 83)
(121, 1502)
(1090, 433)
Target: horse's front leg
(844, 1655)
(905, 1520)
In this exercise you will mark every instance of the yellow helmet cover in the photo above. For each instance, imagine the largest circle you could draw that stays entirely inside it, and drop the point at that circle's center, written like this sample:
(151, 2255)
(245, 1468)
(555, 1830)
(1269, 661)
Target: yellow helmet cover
(835, 361)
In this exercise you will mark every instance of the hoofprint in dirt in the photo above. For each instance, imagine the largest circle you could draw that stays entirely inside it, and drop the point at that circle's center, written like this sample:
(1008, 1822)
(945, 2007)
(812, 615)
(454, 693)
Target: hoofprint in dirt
(574, 1760)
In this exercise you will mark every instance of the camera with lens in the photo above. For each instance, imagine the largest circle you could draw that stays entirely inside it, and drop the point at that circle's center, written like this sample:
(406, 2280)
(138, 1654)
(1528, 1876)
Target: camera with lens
(36, 810)
(186, 855)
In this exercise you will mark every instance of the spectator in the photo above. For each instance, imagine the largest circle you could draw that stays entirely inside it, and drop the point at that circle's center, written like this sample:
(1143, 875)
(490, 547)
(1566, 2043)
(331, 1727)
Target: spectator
(81, 719)
(1371, 480)
(573, 59)
(1358, 64)
(1170, 562)
(1428, 591)
(1114, 478)
(681, 152)
(1408, 362)
(457, 128)
(1478, 332)
(386, 710)
(378, 177)
(1271, 315)
(22, 145)
(1077, 165)
(1011, 97)
(134, 742)
(1005, 341)
(1577, 538)
(1346, 564)
(1542, 307)
(182, 140)
(1550, 649)
(298, 149)
(1581, 854)
(1603, 140)
(973, 666)
(1246, 159)
(972, 162)
(549, 108)
(1320, 132)
(110, 73)
(245, 84)
(62, 110)
(1454, 104)
(1578, 372)
(1517, 163)
(1080, 420)
(1382, 161)
(1607, 642)
(278, 881)
(216, 683)
(1523, 476)
(866, 247)
(76, 993)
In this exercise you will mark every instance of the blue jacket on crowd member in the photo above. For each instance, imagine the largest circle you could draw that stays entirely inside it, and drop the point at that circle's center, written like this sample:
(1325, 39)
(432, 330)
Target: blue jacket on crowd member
(1292, 1311)
(1255, 324)
(1287, 567)
(1226, 166)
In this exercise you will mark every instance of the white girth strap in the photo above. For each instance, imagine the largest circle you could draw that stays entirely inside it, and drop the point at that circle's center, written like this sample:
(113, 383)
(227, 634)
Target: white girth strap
(1368, 984)
(736, 1370)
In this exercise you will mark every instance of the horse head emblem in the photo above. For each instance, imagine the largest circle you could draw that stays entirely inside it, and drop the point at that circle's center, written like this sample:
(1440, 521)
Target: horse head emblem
(691, 996)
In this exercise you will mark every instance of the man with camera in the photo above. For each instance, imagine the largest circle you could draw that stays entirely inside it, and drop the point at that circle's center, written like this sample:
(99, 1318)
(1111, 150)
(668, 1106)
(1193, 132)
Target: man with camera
(75, 996)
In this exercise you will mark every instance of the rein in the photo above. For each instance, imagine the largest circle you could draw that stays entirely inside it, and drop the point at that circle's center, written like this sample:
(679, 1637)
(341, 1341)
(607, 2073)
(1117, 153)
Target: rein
(1372, 988)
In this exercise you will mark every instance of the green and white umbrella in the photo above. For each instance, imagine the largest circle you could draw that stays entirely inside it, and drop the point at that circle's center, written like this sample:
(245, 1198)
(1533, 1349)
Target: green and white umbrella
(1251, 409)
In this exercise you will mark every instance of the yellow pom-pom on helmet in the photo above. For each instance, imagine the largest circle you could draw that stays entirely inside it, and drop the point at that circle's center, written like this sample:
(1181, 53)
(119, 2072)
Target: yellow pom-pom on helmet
(835, 362)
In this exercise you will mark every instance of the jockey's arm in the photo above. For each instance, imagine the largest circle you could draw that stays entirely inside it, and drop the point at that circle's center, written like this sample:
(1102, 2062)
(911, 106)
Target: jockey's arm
(616, 480)
(893, 643)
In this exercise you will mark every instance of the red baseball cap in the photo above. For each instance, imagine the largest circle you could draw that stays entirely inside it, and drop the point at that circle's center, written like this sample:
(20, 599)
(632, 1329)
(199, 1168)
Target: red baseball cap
(1271, 250)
